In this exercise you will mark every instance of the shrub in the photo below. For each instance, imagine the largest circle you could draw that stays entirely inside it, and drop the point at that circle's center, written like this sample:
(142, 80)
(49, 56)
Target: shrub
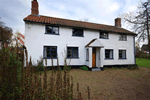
(105, 68)
(133, 67)
(10, 68)
(40, 66)
(84, 68)
(67, 68)
(26, 83)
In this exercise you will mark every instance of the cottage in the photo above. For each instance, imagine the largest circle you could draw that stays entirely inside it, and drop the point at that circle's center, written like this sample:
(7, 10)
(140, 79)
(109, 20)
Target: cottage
(90, 44)
(17, 37)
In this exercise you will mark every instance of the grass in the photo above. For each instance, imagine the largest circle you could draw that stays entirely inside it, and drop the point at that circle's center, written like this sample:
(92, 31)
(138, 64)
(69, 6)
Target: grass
(143, 62)
(113, 84)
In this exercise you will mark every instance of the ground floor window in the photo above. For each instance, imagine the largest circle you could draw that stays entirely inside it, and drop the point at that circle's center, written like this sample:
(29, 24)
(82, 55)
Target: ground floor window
(50, 52)
(87, 54)
(108, 54)
(122, 54)
(72, 52)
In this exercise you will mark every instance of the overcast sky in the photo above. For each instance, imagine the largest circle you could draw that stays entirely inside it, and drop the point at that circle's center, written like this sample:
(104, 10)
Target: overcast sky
(12, 12)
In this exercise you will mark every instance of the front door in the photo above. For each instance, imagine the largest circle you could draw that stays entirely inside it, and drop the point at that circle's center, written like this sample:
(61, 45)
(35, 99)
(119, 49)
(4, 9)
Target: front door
(94, 57)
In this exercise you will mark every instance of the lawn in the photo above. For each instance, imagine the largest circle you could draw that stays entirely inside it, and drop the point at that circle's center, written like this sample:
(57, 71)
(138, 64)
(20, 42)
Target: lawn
(113, 84)
(143, 62)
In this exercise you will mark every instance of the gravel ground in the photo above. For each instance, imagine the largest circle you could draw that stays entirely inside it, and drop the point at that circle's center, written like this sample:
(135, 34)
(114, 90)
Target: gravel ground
(113, 84)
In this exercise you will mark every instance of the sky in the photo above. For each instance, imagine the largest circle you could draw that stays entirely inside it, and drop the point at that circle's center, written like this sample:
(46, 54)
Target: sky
(12, 12)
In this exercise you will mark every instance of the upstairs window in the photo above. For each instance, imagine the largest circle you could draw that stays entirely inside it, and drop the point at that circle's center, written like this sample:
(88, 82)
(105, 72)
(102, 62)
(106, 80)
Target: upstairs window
(50, 52)
(77, 32)
(103, 35)
(52, 30)
(108, 54)
(122, 54)
(72, 52)
(122, 37)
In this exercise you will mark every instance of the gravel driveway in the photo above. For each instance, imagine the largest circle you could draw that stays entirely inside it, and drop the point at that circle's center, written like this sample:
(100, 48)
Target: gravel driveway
(113, 84)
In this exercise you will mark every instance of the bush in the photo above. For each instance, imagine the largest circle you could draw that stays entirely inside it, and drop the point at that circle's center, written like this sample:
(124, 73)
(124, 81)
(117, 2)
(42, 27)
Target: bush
(84, 68)
(40, 66)
(143, 55)
(26, 83)
(10, 68)
(66, 68)
(133, 67)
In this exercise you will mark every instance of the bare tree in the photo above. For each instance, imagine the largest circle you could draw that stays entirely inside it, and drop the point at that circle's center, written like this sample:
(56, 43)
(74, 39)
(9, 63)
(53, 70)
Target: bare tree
(139, 22)
(5, 32)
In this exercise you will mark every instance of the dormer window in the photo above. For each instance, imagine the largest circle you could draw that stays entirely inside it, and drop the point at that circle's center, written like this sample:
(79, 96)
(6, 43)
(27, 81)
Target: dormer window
(103, 35)
(122, 37)
(52, 30)
(77, 32)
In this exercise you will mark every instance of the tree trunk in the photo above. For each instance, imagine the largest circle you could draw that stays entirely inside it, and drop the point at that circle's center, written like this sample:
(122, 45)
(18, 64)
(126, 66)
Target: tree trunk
(148, 37)
(149, 45)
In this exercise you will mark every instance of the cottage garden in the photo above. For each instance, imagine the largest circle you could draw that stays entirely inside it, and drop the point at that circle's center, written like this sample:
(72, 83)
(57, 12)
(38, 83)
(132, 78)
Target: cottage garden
(21, 83)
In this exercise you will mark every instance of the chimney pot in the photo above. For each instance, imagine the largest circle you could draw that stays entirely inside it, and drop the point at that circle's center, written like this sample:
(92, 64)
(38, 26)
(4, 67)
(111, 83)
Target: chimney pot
(118, 22)
(35, 7)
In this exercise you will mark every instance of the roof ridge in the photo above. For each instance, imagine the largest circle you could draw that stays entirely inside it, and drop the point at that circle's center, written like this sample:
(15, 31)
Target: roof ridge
(75, 23)
(72, 20)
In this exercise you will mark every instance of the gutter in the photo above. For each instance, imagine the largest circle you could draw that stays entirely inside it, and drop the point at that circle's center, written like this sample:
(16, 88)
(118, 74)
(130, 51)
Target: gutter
(130, 33)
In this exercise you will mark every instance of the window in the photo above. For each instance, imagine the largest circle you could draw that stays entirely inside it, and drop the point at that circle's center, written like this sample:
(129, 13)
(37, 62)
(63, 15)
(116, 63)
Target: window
(50, 51)
(122, 54)
(72, 52)
(87, 54)
(108, 54)
(52, 30)
(103, 35)
(77, 32)
(123, 38)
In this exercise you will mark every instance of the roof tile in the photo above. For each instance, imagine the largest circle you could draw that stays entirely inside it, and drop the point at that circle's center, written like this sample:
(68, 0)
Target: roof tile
(73, 23)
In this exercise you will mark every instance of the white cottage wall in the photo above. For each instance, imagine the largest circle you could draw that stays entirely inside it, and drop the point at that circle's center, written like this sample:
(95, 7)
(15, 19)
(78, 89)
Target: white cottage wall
(35, 39)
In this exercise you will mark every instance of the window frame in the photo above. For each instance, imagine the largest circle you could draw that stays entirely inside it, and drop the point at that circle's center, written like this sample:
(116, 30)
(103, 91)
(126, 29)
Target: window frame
(78, 32)
(125, 53)
(49, 53)
(52, 30)
(112, 53)
(72, 52)
(103, 37)
(122, 35)
(87, 54)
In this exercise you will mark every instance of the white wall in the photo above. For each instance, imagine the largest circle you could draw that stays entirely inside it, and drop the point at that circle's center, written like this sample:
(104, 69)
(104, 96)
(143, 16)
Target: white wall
(86, 62)
(35, 39)
(114, 43)
(97, 57)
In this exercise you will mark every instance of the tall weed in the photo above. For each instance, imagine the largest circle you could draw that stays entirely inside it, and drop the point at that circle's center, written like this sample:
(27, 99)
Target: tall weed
(19, 82)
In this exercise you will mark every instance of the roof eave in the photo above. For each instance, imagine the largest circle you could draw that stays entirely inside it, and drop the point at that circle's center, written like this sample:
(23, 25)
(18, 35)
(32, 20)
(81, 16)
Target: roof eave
(80, 27)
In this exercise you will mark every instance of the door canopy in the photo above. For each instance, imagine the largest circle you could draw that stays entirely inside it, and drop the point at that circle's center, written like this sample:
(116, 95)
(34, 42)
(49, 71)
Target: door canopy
(95, 43)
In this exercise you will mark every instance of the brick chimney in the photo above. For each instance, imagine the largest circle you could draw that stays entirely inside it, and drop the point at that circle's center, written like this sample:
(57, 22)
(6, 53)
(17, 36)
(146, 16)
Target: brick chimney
(35, 6)
(118, 22)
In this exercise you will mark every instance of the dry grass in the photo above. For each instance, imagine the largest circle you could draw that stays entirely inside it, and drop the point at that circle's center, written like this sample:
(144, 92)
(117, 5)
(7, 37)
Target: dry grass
(113, 84)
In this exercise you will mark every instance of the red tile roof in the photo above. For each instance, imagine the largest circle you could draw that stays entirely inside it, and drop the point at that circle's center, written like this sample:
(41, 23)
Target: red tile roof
(73, 23)
(21, 35)
(21, 40)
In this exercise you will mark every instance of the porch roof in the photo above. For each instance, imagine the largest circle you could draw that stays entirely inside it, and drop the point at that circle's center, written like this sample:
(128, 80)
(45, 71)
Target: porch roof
(95, 43)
